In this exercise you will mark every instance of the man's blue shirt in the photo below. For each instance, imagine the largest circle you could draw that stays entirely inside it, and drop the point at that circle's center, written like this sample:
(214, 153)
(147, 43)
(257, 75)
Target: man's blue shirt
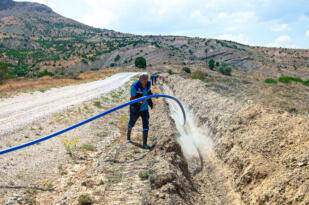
(137, 89)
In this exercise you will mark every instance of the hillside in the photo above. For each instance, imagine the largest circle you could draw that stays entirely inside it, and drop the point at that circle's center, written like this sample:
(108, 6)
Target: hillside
(34, 38)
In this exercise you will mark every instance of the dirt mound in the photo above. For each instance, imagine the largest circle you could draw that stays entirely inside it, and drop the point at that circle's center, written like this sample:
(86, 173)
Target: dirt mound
(264, 151)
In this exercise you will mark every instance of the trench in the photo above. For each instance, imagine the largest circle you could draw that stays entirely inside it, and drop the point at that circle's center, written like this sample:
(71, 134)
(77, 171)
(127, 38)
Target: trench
(208, 173)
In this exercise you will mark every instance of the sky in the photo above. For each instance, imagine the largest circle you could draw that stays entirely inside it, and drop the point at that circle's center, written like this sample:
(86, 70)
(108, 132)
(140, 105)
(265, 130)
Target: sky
(271, 23)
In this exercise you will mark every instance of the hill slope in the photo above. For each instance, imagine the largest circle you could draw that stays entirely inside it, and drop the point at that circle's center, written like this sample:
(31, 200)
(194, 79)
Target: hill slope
(34, 38)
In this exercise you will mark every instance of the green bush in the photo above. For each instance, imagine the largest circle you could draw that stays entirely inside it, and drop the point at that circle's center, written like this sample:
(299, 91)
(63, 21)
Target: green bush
(170, 72)
(94, 69)
(4, 72)
(186, 69)
(112, 64)
(306, 82)
(211, 64)
(284, 79)
(45, 72)
(197, 75)
(270, 81)
(117, 58)
(225, 69)
(288, 79)
(140, 62)
(84, 61)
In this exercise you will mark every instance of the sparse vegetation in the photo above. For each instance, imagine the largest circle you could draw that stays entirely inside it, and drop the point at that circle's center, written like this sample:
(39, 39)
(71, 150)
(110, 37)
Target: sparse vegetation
(288, 79)
(94, 69)
(70, 145)
(88, 147)
(85, 199)
(186, 69)
(270, 81)
(97, 104)
(225, 69)
(4, 72)
(45, 73)
(145, 174)
(197, 75)
(47, 184)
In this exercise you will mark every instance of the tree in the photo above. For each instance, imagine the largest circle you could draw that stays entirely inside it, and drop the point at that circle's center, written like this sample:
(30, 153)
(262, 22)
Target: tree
(140, 62)
(4, 71)
(211, 64)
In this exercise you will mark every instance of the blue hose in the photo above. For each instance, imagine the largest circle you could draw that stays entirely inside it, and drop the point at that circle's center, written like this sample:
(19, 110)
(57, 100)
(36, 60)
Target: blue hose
(91, 119)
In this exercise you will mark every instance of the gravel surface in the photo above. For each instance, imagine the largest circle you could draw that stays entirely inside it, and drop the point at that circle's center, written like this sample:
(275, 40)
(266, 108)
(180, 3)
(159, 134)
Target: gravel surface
(21, 110)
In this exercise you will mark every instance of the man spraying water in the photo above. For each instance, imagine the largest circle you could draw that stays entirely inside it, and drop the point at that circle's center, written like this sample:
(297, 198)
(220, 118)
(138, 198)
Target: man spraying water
(139, 89)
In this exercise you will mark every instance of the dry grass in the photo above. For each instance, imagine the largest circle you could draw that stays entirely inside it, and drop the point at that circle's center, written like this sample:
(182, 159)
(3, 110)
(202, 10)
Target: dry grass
(13, 87)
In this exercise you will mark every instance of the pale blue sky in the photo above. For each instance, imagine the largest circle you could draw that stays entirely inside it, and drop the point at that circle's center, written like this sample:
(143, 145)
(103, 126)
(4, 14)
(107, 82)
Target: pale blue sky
(276, 23)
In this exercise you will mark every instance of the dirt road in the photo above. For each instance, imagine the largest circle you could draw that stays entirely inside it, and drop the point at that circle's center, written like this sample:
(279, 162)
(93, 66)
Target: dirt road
(20, 111)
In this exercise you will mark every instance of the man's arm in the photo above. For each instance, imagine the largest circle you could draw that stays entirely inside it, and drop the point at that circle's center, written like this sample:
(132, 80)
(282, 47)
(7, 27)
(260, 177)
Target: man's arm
(150, 103)
(133, 93)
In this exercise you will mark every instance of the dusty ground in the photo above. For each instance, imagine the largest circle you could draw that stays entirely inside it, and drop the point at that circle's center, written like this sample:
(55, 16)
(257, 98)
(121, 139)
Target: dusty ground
(258, 155)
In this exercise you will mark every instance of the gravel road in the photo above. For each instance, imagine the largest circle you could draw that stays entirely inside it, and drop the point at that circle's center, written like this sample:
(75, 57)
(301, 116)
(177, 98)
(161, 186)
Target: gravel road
(19, 111)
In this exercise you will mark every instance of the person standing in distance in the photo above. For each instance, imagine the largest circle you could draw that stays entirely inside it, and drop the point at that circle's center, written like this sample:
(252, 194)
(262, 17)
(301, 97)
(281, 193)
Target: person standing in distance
(140, 109)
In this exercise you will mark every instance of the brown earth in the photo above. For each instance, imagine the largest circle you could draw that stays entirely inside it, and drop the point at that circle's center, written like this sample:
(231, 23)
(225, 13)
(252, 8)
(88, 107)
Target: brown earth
(259, 156)
(14, 87)
(264, 149)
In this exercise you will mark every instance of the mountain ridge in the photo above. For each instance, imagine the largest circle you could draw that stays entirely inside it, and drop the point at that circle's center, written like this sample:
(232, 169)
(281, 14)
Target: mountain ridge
(33, 36)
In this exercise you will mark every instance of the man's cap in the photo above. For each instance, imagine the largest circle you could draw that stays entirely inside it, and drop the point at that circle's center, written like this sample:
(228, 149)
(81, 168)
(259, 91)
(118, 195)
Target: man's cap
(143, 75)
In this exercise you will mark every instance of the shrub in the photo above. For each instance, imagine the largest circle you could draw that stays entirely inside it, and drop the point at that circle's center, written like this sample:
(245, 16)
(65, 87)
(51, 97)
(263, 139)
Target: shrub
(306, 82)
(117, 58)
(270, 81)
(45, 73)
(186, 69)
(170, 72)
(140, 62)
(112, 64)
(211, 64)
(288, 79)
(225, 69)
(94, 69)
(4, 72)
(217, 64)
(284, 79)
(84, 199)
(145, 175)
(197, 75)
(84, 61)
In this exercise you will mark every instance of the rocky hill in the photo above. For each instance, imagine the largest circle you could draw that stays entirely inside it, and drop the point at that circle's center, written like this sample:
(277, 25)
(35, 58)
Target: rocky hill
(34, 38)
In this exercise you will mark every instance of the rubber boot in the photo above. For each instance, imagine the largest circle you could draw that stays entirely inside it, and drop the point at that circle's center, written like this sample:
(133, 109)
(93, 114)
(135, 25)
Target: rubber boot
(145, 136)
(129, 129)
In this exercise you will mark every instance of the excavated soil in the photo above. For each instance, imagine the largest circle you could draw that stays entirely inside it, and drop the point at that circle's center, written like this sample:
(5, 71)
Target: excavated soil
(263, 152)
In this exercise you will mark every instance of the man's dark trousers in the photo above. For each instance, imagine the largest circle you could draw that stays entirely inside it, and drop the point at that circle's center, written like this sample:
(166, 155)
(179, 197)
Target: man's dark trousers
(135, 114)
